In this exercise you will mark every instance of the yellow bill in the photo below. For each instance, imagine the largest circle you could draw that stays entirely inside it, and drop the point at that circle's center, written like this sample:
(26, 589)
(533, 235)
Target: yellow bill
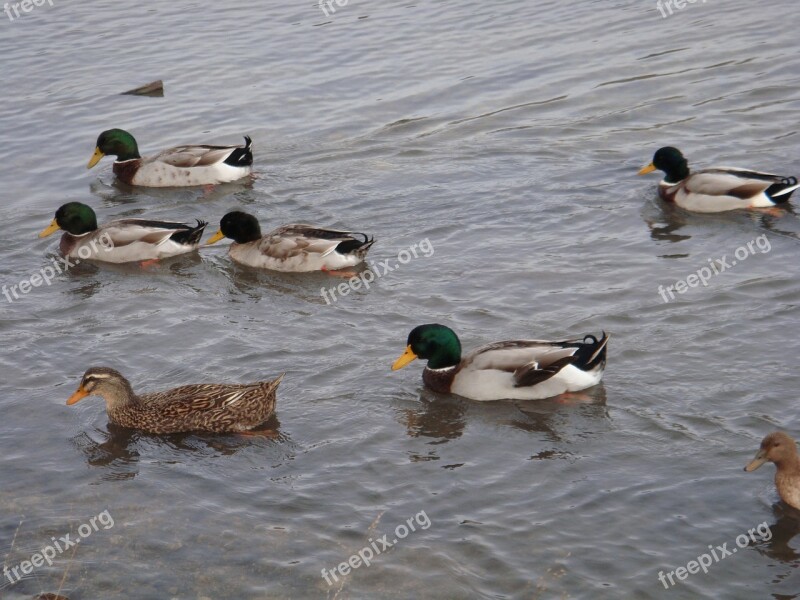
(647, 169)
(50, 230)
(98, 154)
(408, 357)
(79, 395)
(215, 238)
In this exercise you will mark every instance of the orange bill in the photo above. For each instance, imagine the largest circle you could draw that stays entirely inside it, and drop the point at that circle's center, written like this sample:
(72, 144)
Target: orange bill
(408, 356)
(98, 154)
(50, 230)
(79, 395)
(647, 169)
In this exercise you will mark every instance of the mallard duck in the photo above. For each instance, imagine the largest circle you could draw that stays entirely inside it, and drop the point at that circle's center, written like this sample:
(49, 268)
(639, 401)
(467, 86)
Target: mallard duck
(216, 407)
(295, 248)
(125, 240)
(781, 449)
(516, 369)
(719, 188)
(176, 167)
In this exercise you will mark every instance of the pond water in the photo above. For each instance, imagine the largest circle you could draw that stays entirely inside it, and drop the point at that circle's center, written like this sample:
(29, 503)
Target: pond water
(506, 135)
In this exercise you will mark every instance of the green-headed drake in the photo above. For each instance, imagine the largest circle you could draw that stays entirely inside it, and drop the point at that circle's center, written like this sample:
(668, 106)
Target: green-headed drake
(292, 248)
(124, 240)
(717, 189)
(176, 167)
(510, 370)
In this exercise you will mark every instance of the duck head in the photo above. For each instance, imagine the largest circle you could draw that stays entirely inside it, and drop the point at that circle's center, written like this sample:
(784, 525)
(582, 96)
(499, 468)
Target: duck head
(777, 448)
(437, 344)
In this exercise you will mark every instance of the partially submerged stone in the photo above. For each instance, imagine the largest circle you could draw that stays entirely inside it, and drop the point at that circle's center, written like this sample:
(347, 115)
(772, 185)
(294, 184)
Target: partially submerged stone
(154, 88)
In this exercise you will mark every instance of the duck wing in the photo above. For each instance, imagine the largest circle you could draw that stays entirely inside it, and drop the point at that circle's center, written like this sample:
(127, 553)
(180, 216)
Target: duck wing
(513, 354)
(729, 182)
(205, 155)
(739, 183)
(180, 401)
(299, 239)
(535, 361)
(209, 397)
(127, 231)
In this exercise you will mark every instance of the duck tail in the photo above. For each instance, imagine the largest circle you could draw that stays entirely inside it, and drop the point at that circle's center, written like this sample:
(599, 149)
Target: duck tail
(591, 352)
(190, 235)
(271, 386)
(242, 156)
(781, 192)
(356, 246)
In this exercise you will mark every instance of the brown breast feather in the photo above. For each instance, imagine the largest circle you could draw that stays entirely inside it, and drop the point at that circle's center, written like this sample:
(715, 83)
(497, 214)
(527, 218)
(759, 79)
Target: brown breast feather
(439, 380)
(126, 170)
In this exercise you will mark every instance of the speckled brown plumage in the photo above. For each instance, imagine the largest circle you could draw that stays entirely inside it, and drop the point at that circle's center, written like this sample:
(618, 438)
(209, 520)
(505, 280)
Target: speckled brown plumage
(202, 407)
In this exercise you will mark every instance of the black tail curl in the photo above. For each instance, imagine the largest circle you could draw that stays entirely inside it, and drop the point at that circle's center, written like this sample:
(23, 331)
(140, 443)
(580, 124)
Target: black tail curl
(591, 352)
(775, 189)
(241, 156)
(190, 235)
(355, 245)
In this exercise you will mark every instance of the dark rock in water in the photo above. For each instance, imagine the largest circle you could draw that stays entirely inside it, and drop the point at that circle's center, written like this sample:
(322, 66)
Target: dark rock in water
(154, 89)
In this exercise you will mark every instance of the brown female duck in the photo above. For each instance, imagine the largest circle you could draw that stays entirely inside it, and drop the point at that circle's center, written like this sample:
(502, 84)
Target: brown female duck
(781, 449)
(211, 407)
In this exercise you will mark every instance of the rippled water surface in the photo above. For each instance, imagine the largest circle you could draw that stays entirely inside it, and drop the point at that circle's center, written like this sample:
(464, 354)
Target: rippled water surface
(508, 134)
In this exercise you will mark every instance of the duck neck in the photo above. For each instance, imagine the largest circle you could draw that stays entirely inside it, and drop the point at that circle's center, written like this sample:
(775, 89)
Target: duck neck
(790, 463)
(446, 354)
(120, 397)
(439, 380)
(129, 154)
(677, 172)
(124, 146)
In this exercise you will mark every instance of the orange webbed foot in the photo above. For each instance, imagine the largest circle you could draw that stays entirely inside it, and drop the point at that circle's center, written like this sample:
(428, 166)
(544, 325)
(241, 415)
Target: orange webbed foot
(574, 398)
(339, 273)
(772, 211)
(266, 433)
